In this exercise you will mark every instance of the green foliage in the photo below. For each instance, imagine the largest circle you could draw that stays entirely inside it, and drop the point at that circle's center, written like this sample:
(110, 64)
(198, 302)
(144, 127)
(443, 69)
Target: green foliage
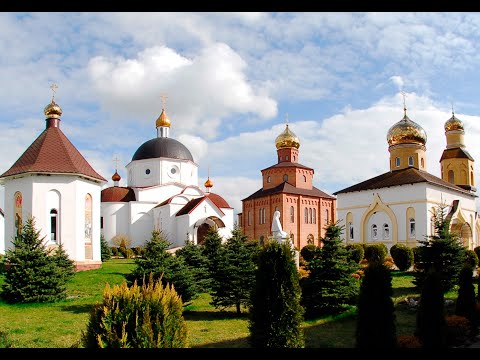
(376, 252)
(234, 280)
(430, 322)
(276, 314)
(197, 262)
(163, 265)
(466, 301)
(5, 342)
(442, 252)
(356, 252)
(147, 316)
(402, 256)
(471, 258)
(330, 287)
(105, 251)
(35, 274)
(376, 327)
(114, 250)
(477, 251)
(309, 251)
(213, 252)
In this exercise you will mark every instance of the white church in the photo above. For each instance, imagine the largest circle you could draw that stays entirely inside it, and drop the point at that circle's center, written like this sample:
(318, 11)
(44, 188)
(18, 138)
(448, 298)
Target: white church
(162, 193)
(52, 182)
(398, 206)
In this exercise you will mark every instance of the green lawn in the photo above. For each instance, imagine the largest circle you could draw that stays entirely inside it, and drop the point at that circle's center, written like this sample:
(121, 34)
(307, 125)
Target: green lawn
(59, 325)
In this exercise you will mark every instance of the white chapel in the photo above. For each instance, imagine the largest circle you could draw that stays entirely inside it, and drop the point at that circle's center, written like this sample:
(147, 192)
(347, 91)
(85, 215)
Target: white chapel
(162, 193)
(398, 206)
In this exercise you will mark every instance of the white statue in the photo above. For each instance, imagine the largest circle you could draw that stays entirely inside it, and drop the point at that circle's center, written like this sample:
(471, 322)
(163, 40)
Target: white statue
(277, 232)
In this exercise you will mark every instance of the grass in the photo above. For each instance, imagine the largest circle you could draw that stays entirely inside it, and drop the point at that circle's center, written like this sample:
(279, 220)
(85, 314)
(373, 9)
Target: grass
(59, 325)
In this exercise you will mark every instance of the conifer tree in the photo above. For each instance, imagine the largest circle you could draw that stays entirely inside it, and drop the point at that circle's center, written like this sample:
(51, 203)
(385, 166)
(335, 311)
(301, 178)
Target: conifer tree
(441, 252)
(213, 251)
(466, 301)
(34, 274)
(330, 286)
(197, 262)
(276, 314)
(376, 312)
(162, 264)
(105, 250)
(234, 280)
(430, 322)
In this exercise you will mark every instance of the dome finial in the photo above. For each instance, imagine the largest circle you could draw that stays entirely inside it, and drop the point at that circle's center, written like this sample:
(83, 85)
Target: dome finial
(52, 110)
(453, 112)
(287, 138)
(209, 183)
(116, 177)
(163, 120)
(54, 88)
(404, 105)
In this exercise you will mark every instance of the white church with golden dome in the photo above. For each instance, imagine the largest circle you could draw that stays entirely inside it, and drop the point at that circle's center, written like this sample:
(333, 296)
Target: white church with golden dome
(398, 206)
(162, 193)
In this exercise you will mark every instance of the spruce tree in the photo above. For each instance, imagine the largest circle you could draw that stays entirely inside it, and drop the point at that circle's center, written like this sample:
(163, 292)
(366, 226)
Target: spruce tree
(34, 274)
(105, 250)
(233, 282)
(466, 301)
(213, 252)
(376, 312)
(330, 287)
(430, 321)
(441, 252)
(197, 262)
(164, 265)
(276, 314)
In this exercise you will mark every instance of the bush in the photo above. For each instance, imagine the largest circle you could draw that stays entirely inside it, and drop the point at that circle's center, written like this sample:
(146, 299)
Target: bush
(114, 250)
(458, 330)
(308, 252)
(408, 342)
(106, 252)
(376, 252)
(477, 251)
(472, 258)
(402, 256)
(122, 251)
(139, 250)
(356, 251)
(121, 240)
(147, 316)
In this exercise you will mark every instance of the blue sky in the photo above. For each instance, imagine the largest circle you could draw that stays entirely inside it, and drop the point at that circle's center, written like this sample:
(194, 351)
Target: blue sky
(230, 81)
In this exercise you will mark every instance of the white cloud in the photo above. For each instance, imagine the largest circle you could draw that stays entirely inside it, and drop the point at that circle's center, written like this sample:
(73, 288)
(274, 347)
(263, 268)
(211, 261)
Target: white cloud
(398, 81)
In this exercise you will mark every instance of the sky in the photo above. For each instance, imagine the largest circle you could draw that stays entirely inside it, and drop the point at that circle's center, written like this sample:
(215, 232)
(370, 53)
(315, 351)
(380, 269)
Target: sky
(232, 81)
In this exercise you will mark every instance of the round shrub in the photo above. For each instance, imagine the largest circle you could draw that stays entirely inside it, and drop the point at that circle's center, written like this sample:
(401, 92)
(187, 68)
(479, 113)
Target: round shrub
(376, 253)
(114, 251)
(356, 252)
(402, 256)
(458, 330)
(147, 316)
(308, 252)
(472, 258)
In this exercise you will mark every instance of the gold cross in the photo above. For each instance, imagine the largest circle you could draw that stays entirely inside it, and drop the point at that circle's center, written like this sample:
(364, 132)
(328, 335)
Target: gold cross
(453, 113)
(54, 88)
(116, 163)
(404, 106)
(163, 100)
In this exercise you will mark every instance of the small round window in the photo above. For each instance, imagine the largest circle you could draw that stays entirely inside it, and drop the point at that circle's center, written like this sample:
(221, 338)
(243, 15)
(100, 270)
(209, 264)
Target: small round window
(147, 171)
(173, 170)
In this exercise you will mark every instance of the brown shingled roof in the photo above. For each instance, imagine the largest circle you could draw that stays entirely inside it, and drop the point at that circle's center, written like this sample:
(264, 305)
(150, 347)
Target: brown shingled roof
(117, 194)
(288, 188)
(456, 153)
(405, 176)
(192, 204)
(52, 152)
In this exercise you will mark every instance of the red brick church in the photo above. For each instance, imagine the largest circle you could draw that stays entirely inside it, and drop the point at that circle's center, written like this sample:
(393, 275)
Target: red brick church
(287, 187)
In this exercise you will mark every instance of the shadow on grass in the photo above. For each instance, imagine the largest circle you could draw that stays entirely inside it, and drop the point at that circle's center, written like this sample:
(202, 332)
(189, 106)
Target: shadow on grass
(78, 309)
(213, 315)
(237, 344)
(401, 292)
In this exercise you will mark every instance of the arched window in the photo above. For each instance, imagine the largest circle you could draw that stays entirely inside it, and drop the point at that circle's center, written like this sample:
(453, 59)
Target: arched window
(386, 231)
(292, 214)
(285, 177)
(306, 216)
(411, 228)
(326, 216)
(53, 226)
(314, 216)
(451, 176)
(269, 179)
(18, 213)
(422, 162)
(304, 178)
(397, 162)
(350, 230)
(374, 231)
(286, 157)
(410, 161)
(264, 211)
(310, 215)
(249, 218)
(88, 218)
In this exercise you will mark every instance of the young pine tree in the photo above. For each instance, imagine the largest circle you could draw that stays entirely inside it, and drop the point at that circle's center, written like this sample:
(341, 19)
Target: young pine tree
(33, 274)
(105, 249)
(430, 322)
(276, 314)
(466, 301)
(376, 327)
(162, 264)
(441, 252)
(197, 262)
(234, 280)
(213, 251)
(330, 286)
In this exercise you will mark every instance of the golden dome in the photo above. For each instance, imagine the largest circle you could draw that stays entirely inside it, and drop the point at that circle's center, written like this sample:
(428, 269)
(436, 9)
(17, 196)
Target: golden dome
(406, 131)
(162, 120)
(116, 177)
(453, 124)
(52, 110)
(287, 139)
(208, 183)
